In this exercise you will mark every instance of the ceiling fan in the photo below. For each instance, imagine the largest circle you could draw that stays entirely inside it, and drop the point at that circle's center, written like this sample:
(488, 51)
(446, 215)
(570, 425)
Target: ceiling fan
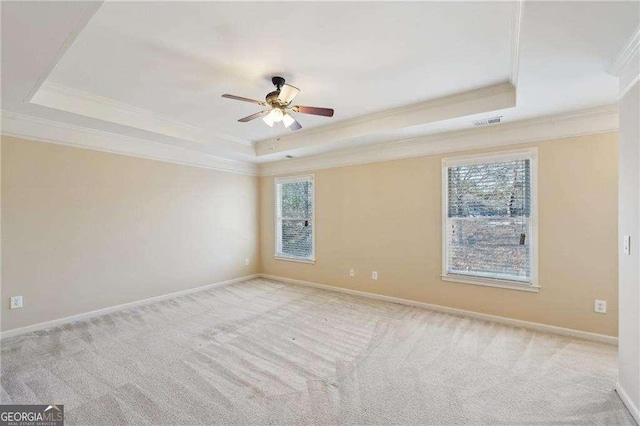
(279, 102)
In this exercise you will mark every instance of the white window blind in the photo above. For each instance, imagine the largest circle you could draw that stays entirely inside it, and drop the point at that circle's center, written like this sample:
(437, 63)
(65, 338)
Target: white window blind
(488, 219)
(294, 218)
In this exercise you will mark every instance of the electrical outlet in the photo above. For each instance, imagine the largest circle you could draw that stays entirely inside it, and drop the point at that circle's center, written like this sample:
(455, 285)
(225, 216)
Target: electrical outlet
(16, 302)
(600, 306)
(246, 262)
(374, 275)
(352, 272)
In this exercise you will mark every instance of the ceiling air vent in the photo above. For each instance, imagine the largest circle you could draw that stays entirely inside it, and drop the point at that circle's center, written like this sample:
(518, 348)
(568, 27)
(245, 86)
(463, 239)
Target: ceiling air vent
(485, 122)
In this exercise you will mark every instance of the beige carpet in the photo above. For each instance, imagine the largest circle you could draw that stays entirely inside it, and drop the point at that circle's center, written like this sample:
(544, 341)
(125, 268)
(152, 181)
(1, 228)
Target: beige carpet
(262, 352)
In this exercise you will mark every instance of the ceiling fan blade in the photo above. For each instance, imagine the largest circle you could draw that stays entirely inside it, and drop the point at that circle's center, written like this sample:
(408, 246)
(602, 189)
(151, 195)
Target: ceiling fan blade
(295, 125)
(287, 93)
(252, 116)
(326, 112)
(240, 98)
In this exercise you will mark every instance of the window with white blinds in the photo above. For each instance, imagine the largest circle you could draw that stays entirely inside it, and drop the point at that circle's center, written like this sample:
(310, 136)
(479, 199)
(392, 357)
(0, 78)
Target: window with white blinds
(294, 218)
(489, 219)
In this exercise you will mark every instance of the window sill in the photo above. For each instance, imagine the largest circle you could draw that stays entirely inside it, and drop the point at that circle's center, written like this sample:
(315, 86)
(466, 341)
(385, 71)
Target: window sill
(488, 282)
(295, 259)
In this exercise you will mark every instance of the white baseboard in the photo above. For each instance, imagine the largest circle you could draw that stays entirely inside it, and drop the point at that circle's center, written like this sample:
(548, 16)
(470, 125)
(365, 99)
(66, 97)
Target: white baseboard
(503, 320)
(103, 311)
(628, 403)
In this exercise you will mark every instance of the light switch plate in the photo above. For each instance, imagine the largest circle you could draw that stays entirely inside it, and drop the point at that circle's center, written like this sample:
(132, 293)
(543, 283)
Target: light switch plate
(626, 244)
(374, 275)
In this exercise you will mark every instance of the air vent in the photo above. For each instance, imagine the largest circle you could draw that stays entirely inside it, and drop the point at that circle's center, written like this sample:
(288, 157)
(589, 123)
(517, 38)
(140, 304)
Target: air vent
(494, 120)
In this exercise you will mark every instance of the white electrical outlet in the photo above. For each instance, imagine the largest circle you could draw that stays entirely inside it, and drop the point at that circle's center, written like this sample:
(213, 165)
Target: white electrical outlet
(352, 272)
(626, 244)
(600, 306)
(246, 262)
(16, 302)
(374, 275)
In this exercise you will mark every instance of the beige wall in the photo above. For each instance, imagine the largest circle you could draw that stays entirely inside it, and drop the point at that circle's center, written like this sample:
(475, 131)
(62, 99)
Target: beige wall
(387, 217)
(84, 230)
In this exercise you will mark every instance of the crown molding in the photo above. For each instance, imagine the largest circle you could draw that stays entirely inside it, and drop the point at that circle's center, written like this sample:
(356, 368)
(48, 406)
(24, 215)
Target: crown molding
(490, 98)
(69, 99)
(626, 64)
(43, 130)
(590, 121)
(71, 93)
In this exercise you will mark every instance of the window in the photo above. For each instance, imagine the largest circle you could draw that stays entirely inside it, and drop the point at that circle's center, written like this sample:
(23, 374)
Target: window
(295, 219)
(489, 219)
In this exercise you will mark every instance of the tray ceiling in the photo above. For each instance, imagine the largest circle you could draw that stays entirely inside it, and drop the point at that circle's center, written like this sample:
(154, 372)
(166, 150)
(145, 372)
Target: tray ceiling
(155, 71)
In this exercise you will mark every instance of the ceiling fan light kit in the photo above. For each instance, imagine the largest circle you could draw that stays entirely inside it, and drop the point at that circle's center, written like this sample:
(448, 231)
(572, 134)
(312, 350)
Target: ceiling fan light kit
(288, 120)
(280, 102)
(274, 116)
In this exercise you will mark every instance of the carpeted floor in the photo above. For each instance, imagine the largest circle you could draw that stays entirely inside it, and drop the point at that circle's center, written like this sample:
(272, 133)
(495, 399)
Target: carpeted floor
(263, 352)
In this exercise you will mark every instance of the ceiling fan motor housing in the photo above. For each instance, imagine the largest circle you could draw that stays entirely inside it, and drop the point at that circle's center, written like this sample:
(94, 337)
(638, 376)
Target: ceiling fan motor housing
(272, 99)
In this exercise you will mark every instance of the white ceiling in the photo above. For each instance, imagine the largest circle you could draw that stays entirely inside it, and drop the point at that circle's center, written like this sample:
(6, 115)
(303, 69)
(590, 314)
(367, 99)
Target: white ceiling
(155, 70)
(176, 59)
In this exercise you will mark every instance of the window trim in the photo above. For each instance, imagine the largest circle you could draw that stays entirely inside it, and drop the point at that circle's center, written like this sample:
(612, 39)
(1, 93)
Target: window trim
(277, 230)
(530, 154)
